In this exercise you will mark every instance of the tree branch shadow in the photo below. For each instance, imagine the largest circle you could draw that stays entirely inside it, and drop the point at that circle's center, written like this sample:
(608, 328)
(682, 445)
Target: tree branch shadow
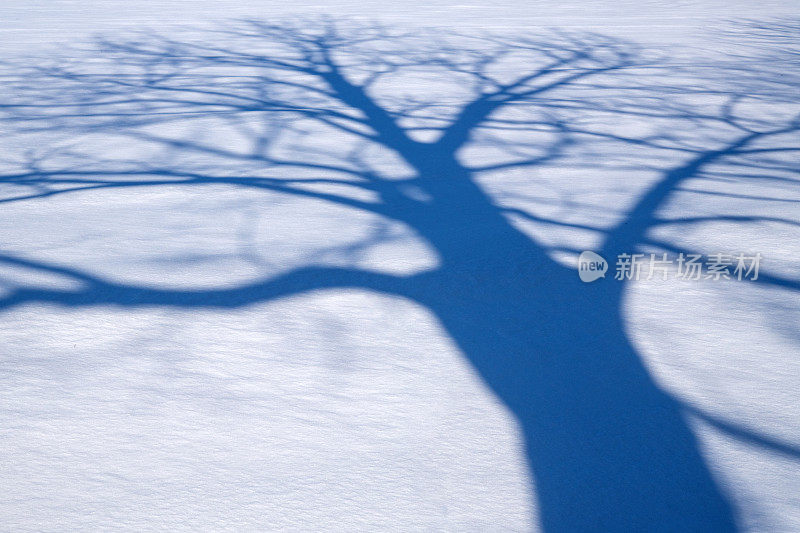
(607, 447)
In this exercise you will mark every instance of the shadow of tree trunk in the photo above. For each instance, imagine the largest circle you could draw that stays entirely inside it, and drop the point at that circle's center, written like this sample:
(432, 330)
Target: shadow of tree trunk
(607, 448)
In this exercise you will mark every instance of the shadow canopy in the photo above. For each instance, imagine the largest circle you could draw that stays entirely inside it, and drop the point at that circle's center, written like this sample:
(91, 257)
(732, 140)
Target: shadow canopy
(420, 129)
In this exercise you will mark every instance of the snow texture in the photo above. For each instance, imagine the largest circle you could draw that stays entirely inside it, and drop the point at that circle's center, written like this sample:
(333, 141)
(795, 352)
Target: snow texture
(239, 291)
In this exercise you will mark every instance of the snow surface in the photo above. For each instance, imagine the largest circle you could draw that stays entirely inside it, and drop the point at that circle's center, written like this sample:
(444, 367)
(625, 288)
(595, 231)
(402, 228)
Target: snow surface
(344, 409)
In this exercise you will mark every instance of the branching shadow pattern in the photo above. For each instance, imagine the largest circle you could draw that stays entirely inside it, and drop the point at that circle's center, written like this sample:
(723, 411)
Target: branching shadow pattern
(608, 449)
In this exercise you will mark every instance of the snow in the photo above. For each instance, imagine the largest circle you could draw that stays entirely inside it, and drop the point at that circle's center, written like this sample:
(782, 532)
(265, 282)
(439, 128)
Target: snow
(346, 409)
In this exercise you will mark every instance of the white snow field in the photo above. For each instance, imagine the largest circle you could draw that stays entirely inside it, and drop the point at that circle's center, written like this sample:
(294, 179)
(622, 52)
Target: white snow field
(234, 296)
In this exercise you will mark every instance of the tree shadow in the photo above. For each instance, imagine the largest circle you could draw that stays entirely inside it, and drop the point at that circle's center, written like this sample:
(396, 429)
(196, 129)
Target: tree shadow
(608, 448)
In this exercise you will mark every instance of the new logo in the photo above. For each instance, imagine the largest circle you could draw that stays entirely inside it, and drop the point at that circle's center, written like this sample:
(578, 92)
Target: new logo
(591, 266)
